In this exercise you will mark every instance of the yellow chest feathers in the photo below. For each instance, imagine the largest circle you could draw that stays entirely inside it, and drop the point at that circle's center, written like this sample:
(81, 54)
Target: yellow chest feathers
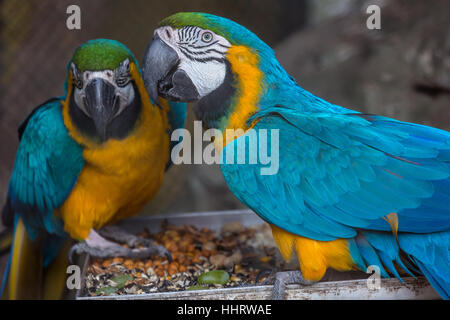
(119, 177)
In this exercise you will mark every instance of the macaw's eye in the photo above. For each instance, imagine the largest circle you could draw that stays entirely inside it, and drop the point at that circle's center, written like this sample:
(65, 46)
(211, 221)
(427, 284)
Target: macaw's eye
(76, 76)
(207, 36)
(122, 73)
(78, 83)
(122, 81)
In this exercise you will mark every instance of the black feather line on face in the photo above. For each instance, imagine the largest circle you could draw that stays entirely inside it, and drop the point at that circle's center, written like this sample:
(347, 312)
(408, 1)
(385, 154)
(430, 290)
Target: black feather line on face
(198, 53)
(214, 50)
(118, 128)
(191, 33)
(198, 33)
(188, 55)
(203, 52)
(190, 52)
(216, 105)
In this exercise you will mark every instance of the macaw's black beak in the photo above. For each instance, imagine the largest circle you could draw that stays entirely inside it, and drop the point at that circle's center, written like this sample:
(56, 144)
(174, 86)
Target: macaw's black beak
(101, 103)
(162, 75)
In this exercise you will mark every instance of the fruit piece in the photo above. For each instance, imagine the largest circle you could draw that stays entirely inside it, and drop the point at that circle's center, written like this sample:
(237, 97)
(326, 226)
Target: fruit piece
(106, 290)
(214, 277)
(197, 287)
(121, 279)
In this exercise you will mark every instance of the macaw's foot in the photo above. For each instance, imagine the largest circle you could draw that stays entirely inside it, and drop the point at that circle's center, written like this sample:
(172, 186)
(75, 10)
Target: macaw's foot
(97, 246)
(268, 276)
(282, 279)
(146, 246)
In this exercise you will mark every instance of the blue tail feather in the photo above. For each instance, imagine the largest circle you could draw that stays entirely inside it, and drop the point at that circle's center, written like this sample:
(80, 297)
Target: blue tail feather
(428, 253)
(51, 247)
(8, 266)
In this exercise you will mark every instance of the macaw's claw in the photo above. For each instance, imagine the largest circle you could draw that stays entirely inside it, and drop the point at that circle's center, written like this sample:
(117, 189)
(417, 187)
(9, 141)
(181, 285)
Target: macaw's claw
(119, 235)
(282, 279)
(99, 247)
(269, 276)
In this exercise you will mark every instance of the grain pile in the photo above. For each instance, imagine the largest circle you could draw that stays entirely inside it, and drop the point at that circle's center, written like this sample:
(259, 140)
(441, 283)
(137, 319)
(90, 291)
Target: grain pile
(242, 254)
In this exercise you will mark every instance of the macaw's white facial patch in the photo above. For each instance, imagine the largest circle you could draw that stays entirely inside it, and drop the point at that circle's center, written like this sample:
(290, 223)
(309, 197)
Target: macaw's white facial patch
(126, 96)
(202, 55)
(206, 76)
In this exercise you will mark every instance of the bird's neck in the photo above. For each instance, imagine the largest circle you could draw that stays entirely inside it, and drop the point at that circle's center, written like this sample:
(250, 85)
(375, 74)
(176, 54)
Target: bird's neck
(251, 82)
(231, 105)
(213, 109)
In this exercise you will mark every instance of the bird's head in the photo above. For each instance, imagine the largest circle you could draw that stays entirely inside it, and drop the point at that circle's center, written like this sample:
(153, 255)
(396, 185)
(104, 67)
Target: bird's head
(199, 57)
(102, 92)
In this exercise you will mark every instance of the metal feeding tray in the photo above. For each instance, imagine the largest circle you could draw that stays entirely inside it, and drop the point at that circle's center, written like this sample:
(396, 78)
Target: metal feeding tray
(335, 285)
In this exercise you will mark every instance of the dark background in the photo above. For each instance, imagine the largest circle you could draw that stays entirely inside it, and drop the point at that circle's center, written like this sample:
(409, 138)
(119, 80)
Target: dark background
(401, 71)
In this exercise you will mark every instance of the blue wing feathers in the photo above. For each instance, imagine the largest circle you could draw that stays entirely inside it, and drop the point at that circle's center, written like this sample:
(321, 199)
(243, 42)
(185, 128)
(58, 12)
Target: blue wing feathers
(369, 254)
(341, 173)
(177, 118)
(361, 179)
(431, 253)
(48, 162)
(177, 115)
(356, 254)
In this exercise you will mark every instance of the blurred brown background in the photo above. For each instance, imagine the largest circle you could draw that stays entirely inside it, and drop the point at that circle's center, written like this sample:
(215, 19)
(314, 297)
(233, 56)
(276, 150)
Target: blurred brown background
(400, 71)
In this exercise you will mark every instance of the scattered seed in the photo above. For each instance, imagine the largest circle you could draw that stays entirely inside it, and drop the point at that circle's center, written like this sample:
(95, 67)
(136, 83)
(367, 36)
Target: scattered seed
(235, 279)
(265, 259)
(197, 257)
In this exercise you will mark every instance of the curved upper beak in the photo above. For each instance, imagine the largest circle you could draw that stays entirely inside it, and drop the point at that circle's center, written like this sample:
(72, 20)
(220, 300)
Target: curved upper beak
(102, 103)
(161, 74)
(159, 60)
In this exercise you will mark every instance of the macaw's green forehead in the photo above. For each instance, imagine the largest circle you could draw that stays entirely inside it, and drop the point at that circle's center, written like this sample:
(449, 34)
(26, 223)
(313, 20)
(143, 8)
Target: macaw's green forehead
(101, 54)
(230, 30)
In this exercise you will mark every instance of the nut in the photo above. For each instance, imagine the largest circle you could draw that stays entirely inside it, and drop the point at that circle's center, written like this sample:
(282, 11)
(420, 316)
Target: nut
(232, 227)
(218, 260)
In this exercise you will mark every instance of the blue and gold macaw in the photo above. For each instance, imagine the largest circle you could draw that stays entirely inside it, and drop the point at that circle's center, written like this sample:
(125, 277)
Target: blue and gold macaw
(351, 189)
(87, 159)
